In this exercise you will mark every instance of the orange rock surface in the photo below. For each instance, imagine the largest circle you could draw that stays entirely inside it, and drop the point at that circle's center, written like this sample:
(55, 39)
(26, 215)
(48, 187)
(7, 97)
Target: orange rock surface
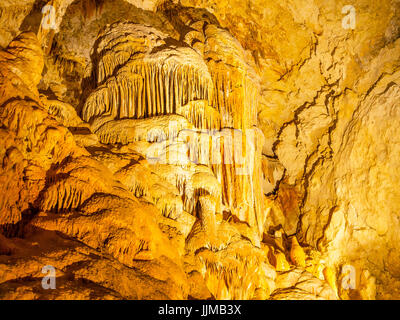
(199, 150)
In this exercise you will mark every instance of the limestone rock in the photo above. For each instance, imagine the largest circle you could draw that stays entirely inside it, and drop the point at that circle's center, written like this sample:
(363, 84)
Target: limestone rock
(183, 149)
(298, 284)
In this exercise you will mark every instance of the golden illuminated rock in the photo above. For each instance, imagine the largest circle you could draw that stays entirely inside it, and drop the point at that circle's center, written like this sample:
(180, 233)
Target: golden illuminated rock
(330, 278)
(297, 254)
(280, 262)
(165, 149)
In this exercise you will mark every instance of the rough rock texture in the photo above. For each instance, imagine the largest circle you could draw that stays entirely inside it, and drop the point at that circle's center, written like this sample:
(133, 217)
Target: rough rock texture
(197, 149)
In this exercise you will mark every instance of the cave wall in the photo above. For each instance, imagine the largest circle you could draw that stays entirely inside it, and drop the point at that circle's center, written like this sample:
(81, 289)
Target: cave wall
(316, 102)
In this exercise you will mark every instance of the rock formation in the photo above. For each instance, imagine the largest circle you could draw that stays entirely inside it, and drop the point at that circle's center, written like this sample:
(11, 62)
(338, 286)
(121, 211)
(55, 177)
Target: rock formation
(196, 149)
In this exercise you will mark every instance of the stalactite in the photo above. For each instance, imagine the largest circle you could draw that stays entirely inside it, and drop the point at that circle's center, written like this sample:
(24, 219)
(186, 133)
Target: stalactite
(63, 112)
(235, 96)
(195, 39)
(66, 194)
(111, 61)
(150, 186)
(143, 89)
(156, 129)
(144, 80)
(233, 273)
(192, 182)
(140, 76)
(65, 64)
(91, 7)
(170, 204)
(119, 42)
(201, 115)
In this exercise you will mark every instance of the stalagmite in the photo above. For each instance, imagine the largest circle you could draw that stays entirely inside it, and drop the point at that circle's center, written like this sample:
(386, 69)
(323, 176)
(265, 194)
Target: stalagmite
(279, 240)
(297, 254)
(280, 261)
(330, 278)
